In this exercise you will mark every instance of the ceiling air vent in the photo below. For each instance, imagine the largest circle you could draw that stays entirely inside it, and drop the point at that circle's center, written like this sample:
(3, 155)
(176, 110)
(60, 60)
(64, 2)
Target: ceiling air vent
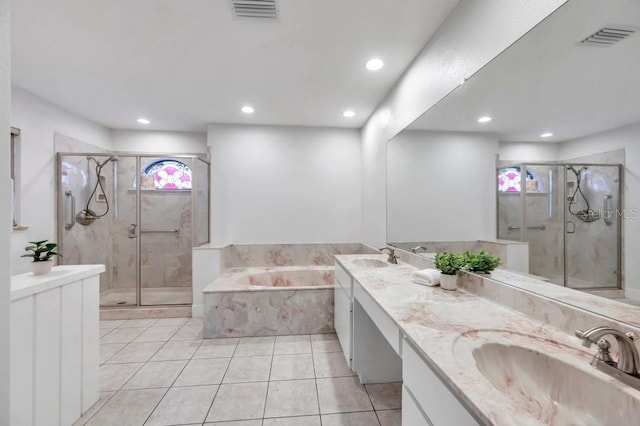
(608, 36)
(255, 8)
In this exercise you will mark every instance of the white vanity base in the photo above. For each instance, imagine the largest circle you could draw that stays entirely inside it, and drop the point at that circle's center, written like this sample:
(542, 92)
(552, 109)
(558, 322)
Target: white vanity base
(54, 345)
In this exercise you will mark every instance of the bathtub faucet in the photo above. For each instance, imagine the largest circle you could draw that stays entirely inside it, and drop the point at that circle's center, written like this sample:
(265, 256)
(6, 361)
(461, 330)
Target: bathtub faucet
(392, 254)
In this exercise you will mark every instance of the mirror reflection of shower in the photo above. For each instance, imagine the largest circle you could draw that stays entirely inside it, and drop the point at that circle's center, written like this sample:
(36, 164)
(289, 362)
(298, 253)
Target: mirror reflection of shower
(586, 214)
(87, 216)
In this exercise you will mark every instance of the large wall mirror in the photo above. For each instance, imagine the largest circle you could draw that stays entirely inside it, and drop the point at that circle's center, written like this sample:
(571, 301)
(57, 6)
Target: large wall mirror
(555, 166)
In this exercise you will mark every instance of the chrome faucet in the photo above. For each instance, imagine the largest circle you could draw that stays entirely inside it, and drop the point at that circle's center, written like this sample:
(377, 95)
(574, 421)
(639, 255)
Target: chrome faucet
(416, 248)
(392, 254)
(628, 357)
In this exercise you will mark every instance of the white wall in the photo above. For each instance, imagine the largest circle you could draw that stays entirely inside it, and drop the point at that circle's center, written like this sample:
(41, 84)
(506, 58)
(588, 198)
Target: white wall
(528, 151)
(38, 120)
(441, 186)
(474, 33)
(156, 141)
(275, 184)
(5, 213)
(621, 138)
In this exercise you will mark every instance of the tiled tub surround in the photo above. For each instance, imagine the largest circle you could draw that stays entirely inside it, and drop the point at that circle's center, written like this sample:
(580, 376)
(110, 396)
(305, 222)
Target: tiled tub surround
(445, 327)
(268, 301)
(210, 261)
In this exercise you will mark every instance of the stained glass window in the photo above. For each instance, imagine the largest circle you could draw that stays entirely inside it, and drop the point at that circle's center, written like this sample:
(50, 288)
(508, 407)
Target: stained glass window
(169, 174)
(510, 180)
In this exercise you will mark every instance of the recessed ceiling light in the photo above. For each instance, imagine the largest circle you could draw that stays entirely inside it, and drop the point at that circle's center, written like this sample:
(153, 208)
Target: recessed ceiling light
(484, 119)
(546, 135)
(348, 114)
(247, 109)
(143, 121)
(374, 64)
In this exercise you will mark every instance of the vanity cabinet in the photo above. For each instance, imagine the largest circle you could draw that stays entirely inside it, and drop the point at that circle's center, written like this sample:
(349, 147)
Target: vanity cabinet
(342, 312)
(425, 399)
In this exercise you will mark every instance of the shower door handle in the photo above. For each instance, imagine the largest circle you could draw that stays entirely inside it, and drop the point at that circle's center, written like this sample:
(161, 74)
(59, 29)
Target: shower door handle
(132, 230)
(72, 221)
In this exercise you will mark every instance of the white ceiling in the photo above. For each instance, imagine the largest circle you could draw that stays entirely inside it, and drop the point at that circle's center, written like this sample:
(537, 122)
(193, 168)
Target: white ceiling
(186, 63)
(548, 82)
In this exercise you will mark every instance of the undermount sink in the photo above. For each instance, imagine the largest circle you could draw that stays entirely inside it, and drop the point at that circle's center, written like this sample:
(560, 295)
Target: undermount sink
(370, 263)
(548, 390)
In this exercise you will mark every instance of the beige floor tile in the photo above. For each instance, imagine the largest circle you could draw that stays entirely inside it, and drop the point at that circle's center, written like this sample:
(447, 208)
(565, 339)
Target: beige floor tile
(325, 343)
(194, 321)
(292, 345)
(342, 395)
(105, 331)
(183, 406)
(122, 335)
(156, 334)
(104, 397)
(203, 372)
(239, 401)
(128, 408)
(237, 423)
(293, 421)
(135, 352)
(110, 324)
(217, 348)
(390, 417)
(289, 367)
(139, 322)
(176, 350)
(114, 376)
(367, 418)
(248, 369)
(292, 398)
(331, 364)
(107, 350)
(156, 375)
(250, 346)
(172, 321)
(385, 396)
(188, 332)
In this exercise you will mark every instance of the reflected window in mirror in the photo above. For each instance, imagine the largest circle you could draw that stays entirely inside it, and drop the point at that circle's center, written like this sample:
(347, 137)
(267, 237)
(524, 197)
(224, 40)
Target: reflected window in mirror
(510, 180)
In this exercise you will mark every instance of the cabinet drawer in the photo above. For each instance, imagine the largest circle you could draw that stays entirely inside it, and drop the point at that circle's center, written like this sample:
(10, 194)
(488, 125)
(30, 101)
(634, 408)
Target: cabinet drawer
(343, 279)
(435, 399)
(411, 414)
(385, 324)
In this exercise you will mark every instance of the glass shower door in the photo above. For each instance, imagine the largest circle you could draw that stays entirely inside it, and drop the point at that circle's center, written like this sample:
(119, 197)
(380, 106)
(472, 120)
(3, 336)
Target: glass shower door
(593, 226)
(165, 221)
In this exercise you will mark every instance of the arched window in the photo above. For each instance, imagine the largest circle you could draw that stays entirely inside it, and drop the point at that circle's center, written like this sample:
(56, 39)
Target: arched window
(510, 180)
(169, 174)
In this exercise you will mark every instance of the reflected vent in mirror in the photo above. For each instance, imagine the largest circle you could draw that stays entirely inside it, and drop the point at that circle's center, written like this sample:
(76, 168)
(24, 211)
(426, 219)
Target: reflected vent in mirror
(255, 8)
(608, 36)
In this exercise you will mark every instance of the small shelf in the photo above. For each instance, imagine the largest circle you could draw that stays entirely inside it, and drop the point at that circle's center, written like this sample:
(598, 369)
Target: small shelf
(19, 228)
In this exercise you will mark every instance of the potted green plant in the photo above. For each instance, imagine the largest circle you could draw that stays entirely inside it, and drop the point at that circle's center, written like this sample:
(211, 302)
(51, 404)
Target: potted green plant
(449, 265)
(41, 252)
(482, 262)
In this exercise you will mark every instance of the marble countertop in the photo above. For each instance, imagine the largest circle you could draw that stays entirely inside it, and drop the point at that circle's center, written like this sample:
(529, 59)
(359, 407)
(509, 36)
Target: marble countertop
(446, 326)
(25, 285)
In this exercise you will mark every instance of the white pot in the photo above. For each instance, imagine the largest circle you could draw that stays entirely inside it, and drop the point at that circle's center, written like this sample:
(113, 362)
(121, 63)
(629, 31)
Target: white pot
(42, 268)
(449, 282)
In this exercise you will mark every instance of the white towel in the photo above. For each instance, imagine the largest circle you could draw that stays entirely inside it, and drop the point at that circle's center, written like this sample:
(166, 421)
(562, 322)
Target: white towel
(430, 277)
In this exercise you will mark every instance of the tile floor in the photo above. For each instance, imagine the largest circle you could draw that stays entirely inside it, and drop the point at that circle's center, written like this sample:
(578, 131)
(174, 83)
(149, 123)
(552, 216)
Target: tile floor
(161, 372)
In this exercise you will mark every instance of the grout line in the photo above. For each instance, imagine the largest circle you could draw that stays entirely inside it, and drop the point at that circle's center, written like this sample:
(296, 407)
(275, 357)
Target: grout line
(273, 350)
(315, 379)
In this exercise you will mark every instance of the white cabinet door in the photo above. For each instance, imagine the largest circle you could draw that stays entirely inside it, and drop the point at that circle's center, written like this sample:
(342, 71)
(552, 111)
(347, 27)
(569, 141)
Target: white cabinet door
(342, 321)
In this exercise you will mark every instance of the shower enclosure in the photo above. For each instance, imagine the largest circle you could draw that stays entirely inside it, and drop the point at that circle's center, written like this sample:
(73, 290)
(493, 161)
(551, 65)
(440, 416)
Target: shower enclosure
(139, 215)
(570, 216)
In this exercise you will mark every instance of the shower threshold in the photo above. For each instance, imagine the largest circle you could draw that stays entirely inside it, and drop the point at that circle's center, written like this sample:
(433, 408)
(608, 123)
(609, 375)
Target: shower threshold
(125, 297)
